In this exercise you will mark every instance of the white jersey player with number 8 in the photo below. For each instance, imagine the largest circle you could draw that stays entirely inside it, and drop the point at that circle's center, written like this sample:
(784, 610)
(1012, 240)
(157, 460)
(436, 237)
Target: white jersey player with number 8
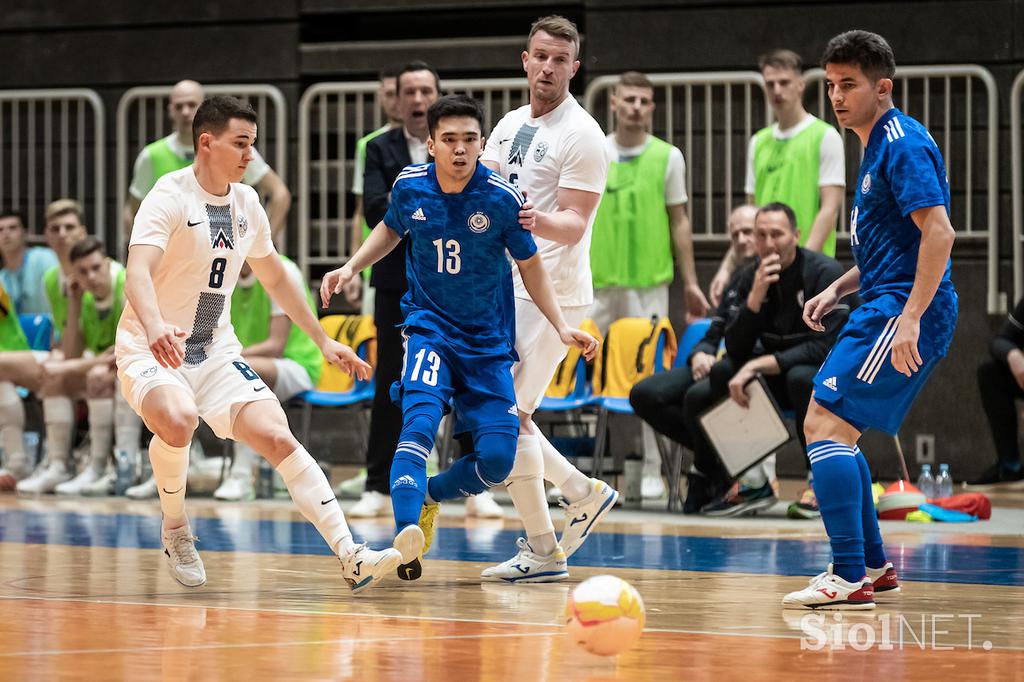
(177, 355)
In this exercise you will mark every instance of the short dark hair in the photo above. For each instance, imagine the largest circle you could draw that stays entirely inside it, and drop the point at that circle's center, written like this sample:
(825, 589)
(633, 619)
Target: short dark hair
(14, 213)
(215, 113)
(635, 79)
(781, 59)
(778, 207)
(416, 66)
(387, 72)
(868, 51)
(454, 105)
(87, 246)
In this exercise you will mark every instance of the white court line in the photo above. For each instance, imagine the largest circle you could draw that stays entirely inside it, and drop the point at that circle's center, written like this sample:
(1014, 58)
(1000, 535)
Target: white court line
(307, 612)
(255, 645)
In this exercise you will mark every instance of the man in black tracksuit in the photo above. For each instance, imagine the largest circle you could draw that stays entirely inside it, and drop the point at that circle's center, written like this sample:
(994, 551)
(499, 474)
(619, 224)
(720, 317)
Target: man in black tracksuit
(767, 336)
(1001, 382)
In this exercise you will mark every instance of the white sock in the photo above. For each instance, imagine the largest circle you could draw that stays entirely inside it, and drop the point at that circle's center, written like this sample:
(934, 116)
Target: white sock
(170, 471)
(649, 446)
(312, 494)
(12, 426)
(757, 476)
(574, 484)
(127, 424)
(101, 432)
(58, 414)
(525, 486)
(245, 459)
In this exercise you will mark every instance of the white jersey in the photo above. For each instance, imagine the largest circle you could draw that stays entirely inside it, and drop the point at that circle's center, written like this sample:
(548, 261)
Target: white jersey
(205, 239)
(563, 148)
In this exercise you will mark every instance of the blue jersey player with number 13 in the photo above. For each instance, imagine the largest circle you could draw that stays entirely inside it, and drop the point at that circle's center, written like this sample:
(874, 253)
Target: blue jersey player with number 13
(901, 236)
(458, 220)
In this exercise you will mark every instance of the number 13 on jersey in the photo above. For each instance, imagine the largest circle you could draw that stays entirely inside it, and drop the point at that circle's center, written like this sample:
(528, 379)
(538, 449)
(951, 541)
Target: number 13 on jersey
(448, 259)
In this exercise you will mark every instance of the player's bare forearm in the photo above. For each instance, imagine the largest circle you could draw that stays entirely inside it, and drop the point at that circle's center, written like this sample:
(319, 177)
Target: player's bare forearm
(279, 202)
(538, 285)
(271, 273)
(765, 364)
(682, 239)
(381, 242)
(71, 342)
(138, 284)
(825, 220)
(848, 283)
(568, 224)
(273, 345)
(937, 236)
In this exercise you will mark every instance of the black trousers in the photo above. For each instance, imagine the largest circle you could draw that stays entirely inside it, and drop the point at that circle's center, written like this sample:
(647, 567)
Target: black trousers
(999, 391)
(386, 417)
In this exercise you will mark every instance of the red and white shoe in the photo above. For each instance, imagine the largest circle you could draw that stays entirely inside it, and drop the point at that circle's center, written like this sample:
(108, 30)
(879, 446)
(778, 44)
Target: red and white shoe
(884, 580)
(829, 592)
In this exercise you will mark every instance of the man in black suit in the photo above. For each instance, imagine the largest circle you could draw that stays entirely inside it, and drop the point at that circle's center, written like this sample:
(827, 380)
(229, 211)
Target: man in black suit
(387, 154)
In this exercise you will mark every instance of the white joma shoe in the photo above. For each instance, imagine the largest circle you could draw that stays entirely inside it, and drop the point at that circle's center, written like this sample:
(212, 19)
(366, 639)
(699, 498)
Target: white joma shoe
(582, 516)
(529, 567)
(363, 567)
(829, 592)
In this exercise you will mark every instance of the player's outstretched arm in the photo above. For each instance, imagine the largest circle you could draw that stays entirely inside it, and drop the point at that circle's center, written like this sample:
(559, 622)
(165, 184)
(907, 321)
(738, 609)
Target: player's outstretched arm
(380, 243)
(821, 305)
(937, 237)
(568, 224)
(166, 341)
(538, 285)
(271, 273)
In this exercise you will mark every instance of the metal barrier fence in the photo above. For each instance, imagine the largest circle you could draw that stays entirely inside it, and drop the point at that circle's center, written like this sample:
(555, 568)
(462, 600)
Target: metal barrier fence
(332, 118)
(142, 118)
(51, 149)
(1017, 165)
(967, 131)
(711, 117)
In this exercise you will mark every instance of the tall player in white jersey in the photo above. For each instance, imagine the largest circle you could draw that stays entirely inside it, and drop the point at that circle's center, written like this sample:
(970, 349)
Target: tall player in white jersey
(554, 151)
(178, 358)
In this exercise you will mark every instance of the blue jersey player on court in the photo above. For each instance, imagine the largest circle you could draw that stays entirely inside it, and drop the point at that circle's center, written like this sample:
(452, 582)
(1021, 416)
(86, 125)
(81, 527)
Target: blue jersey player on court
(457, 219)
(901, 236)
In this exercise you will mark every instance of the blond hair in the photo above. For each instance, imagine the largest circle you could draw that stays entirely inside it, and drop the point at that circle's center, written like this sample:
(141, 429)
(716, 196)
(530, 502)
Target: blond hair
(62, 206)
(556, 26)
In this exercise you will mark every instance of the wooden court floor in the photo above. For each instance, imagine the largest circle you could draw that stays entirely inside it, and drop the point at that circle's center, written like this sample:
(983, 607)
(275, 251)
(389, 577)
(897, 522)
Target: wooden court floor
(84, 595)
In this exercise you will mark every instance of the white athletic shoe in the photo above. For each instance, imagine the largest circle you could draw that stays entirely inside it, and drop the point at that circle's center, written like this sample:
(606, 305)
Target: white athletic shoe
(363, 567)
(370, 505)
(529, 567)
(829, 592)
(103, 486)
(484, 506)
(183, 560)
(581, 517)
(235, 488)
(352, 487)
(884, 580)
(79, 482)
(652, 487)
(143, 491)
(44, 480)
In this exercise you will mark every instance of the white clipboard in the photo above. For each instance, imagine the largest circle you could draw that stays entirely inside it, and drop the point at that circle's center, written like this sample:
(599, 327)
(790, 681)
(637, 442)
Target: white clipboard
(745, 436)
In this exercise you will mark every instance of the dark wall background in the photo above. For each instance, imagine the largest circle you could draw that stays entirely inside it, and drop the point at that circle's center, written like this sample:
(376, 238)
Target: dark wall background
(292, 43)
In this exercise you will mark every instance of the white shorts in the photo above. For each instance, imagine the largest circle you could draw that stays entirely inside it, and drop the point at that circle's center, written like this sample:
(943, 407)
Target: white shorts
(540, 350)
(220, 383)
(292, 379)
(614, 303)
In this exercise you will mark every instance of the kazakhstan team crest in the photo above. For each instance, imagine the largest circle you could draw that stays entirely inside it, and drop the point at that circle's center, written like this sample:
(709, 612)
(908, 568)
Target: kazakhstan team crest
(479, 222)
(865, 186)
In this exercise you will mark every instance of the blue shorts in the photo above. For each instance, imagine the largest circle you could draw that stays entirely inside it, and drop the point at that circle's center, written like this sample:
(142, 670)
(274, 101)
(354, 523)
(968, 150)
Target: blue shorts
(857, 381)
(478, 384)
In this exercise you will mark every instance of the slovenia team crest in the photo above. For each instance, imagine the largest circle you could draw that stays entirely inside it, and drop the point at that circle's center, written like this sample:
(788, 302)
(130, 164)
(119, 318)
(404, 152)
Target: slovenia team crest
(243, 226)
(540, 151)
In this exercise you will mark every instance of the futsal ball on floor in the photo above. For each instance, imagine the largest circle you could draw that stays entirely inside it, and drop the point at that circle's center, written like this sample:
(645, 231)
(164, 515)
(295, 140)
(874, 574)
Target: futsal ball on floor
(604, 615)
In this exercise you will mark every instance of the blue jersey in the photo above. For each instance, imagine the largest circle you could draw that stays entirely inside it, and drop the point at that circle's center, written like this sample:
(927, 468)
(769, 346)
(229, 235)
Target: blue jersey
(902, 171)
(460, 280)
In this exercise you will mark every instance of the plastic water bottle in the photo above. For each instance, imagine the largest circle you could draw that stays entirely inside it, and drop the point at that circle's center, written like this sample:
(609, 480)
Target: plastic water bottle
(926, 482)
(265, 480)
(124, 469)
(944, 483)
(31, 440)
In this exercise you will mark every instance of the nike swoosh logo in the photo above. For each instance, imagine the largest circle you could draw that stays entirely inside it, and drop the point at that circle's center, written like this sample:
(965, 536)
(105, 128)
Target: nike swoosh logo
(408, 573)
(328, 501)
(257, 390)
(193, 224)
(505, 140)
(175, 492)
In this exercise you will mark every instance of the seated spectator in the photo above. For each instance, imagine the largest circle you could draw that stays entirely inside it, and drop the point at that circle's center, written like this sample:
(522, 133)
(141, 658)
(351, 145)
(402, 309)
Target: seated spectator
(24, 265)
(1001, 383)
(658, 399)
(767, 336)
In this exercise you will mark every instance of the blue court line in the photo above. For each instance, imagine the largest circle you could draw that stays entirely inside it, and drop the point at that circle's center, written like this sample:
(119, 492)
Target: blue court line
(947, 563)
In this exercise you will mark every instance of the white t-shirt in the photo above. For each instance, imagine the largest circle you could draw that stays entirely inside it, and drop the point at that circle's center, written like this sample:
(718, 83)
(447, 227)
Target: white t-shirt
(832, 170)
(675, 174)
(143, 180)
(563, 148)
(205, 239)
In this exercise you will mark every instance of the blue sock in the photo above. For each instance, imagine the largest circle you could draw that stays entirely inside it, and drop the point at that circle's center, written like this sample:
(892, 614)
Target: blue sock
(874, 552)
(474, 473)
(837, 485)
(408, 483)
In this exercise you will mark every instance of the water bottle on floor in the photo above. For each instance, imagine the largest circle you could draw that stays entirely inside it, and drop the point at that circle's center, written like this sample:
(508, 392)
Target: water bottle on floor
(944, 483)
(926, 482)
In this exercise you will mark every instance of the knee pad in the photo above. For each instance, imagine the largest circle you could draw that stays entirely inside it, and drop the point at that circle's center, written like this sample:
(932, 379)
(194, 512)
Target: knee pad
(529, 457)
(496, 453)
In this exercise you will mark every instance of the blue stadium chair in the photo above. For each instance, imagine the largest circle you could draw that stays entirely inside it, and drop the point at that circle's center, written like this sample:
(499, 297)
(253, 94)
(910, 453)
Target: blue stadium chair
(38, 330)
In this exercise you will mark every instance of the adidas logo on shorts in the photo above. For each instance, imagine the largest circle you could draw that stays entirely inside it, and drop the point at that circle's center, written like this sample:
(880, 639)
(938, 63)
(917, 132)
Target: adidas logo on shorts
(831, 383)
(405, 480)
(418, 214)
